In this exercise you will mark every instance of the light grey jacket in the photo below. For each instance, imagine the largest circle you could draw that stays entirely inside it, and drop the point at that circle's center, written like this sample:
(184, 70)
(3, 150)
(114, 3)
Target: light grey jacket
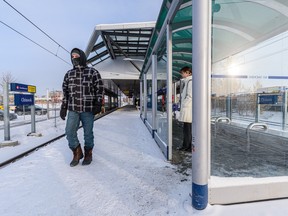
(186, 100)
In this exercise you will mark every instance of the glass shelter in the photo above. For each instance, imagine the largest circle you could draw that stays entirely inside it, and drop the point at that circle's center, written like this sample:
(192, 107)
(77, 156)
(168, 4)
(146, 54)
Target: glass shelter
(239, 51)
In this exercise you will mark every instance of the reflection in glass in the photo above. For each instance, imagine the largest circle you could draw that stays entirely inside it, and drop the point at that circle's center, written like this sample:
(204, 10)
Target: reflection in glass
(249, 92)
(161, 114)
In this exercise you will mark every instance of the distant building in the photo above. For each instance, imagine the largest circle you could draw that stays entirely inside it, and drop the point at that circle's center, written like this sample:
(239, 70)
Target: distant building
(53, 97)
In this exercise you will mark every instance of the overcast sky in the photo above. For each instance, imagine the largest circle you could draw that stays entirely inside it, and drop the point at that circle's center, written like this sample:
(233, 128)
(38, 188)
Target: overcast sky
(69, 22)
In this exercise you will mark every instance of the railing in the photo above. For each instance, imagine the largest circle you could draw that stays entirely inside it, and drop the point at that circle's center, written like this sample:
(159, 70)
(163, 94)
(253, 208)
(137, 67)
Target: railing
(257, 125)
(221, 119)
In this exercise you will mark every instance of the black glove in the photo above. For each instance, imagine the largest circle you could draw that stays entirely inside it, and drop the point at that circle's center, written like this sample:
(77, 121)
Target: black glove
(97, 105)
(63, 112)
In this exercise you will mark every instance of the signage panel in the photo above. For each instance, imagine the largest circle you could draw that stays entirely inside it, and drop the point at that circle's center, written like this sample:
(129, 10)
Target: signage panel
(23, 99)
(268, 99)
(18, 87)
(31, 89)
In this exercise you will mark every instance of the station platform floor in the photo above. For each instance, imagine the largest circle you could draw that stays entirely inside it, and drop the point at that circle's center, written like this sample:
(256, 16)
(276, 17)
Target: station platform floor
(129, 175)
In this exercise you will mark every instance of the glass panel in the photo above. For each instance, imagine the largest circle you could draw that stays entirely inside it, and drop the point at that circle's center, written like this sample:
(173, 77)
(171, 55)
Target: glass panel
(249, 90)
(149, 95)
(182, 57)
(238, 25)
(161, 116)
(142, 96)
(182, 39)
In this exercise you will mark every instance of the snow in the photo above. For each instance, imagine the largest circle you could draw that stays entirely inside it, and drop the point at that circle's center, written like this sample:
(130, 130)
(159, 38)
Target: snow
(128, 176)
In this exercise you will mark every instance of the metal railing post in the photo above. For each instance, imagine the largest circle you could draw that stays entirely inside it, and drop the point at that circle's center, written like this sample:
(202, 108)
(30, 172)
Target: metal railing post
(6, 112)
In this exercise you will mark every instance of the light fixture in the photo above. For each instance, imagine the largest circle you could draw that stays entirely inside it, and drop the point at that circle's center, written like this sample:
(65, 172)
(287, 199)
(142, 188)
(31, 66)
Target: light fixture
(130, 59)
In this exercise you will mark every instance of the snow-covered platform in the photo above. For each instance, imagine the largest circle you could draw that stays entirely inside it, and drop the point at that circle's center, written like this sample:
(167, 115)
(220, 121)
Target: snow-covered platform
(128, 175)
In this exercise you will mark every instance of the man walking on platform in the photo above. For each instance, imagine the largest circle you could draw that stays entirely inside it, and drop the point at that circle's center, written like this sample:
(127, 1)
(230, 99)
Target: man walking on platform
(82, 96)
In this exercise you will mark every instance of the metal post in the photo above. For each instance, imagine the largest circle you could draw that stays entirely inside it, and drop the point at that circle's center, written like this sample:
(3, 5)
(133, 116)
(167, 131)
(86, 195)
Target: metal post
(47, 98)
(55, 113)
(120, 100)
(174, 100)
(201, 111)
(228, 106)
(175, 92)
(33, 122)
(110, 102)
(154, 93)
(6, 112)
(141, 97)
(284, 104)
(54, 106)
(257, 108)
(169, 88)
(145, 96)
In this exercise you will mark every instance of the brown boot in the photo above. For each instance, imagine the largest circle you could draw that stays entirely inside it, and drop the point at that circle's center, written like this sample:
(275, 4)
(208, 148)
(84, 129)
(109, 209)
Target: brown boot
(88, 156)
(78, 154)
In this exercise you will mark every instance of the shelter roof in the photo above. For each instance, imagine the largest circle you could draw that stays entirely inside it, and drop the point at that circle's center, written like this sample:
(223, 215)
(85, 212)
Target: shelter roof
(118, 51)
(237, 25)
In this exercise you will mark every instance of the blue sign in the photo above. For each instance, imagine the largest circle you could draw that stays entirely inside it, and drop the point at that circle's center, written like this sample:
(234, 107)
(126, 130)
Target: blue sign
(268, 99)
(23, 99)
(22, 88)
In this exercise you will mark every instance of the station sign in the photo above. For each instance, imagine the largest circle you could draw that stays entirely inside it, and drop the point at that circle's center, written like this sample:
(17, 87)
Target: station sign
(18, 87)
(268, 99)
(23, 99)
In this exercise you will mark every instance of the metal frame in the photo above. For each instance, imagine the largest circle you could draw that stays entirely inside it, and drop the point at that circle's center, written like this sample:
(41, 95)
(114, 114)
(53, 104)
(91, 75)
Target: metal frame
(126, 41)
(145, 97)
(169, 89)
(154, 93)
(119, 40)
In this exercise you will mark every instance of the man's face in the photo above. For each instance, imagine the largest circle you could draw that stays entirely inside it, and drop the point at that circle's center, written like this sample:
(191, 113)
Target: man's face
(75, 59)
(75, 55)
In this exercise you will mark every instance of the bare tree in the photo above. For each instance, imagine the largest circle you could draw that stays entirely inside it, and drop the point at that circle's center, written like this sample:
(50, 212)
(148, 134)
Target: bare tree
(6, 77)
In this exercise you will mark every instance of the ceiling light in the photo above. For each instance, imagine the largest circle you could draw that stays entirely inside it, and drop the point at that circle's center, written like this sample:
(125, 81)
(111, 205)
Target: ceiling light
(130, 59)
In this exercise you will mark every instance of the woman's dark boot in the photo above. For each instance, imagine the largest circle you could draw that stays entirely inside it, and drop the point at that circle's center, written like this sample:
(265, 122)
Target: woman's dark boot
(77, 155)
(88, 156)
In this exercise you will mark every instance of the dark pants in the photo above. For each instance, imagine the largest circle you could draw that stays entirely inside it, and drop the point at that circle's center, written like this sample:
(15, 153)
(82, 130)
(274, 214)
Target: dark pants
(187, 135)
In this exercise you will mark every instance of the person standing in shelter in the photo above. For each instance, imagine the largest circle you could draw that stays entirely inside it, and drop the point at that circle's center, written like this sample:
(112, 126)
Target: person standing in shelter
(82, 96)
(185, 115)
